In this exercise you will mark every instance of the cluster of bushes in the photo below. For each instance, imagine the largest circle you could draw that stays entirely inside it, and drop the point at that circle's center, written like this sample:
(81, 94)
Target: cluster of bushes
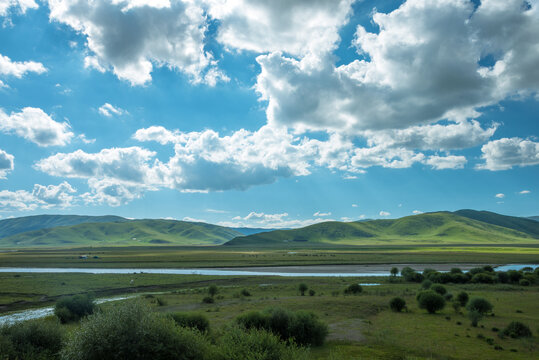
(131, 330)
(74, 308)
(483, 275)
(353, 289)
(304, 328)
(31, 340)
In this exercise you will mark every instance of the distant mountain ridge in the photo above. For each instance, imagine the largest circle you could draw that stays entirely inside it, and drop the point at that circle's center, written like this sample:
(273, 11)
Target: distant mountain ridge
(13, 226)
(124, 233)
(463, 226)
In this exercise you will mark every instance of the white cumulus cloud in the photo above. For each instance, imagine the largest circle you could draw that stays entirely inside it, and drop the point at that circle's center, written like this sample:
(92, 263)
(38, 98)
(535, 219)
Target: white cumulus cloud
(34, 125)
(20, 5)
(384, 213)
(500, 196)
(19, 68)
(504, 154)
(41, 197)
(524, 192)
(133, 37)
(6, 163)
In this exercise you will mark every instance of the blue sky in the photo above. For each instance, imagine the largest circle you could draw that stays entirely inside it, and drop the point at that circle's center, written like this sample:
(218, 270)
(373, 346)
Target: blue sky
(268, 114)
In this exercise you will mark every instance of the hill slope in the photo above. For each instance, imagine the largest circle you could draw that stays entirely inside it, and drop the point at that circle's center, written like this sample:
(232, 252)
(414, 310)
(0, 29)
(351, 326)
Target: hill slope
(133, 232)
(430, 228)
(9, 227)
(516, 223)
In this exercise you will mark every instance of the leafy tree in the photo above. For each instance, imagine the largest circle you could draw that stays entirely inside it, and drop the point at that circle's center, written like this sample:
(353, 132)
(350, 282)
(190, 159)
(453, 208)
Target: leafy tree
(31, 340)
(133, 331)
(394, 271)
(440, 289)
(195, 321)
(239, 343)
(353, 289)
(430, 301)
(302, 288)
(213, 290)
(480, 305)
(475, 316)
(397, 304)
(74, 307)
(426, 284)
(463, 298)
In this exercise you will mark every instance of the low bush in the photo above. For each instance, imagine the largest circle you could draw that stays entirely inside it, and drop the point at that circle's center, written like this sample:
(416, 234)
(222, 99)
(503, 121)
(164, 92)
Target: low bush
(240, 344)
(480, 305)
(312, 292)
(353, 289)
(463, 298)
(74, 308)
(430, 301)
(440, 289)
(304, 328)
(474, 316)
(516, 330)
(524, 282)
(31, 340)
(196, 321)
(448, 297)
(397, 304)
(245, 292)
(208, 300)
(426, 284)
(302, 288)
(133, 331)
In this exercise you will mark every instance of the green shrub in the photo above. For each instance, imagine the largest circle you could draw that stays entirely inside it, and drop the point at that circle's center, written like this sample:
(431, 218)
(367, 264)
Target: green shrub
(312, 292)
(448, 296)
(131, 330)
(440, 289)
(455, 271)
(74, 307)
(516, 330)
(480, 305)
(208, 300)
(245, 292)
(514, 276)
(353, 289)
(475, 316)
(483, 278)
(256, 344)
(394, 271)
(411, 275)
(463, 298)
(302, 288)
(430, 301)
(213, 290)
(524, 282)
(31, 340)
(196, 321)
(253, 320)
(303, 327)
(502, 277)
(397, 304)
(426, 284)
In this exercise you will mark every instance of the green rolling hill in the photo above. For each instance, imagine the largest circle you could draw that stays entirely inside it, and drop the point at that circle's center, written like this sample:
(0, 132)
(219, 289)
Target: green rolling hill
(128, 232)
(430, 228)
(19, 225)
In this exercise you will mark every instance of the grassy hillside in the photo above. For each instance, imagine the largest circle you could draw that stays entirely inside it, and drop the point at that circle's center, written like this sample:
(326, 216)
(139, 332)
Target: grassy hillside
(431, 228)
(134, 232)
(516, 223)
(9, 227)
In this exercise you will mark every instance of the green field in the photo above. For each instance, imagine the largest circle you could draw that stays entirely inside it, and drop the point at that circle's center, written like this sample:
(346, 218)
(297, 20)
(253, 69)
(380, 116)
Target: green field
(219, 256)
(361, 326)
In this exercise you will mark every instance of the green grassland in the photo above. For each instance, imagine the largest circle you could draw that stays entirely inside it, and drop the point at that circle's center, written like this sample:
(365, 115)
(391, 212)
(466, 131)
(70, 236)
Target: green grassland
(361, 326)
(432, 228)
(127, 233)
(219, 256)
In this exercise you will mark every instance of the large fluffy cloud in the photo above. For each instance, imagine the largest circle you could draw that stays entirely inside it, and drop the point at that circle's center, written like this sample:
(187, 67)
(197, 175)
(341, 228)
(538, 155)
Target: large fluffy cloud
(422, 67)
(41, 196)
(132, 37)
(6, 163)
(20, 5)
(503, 154)
(295, 27)
(34, 125)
